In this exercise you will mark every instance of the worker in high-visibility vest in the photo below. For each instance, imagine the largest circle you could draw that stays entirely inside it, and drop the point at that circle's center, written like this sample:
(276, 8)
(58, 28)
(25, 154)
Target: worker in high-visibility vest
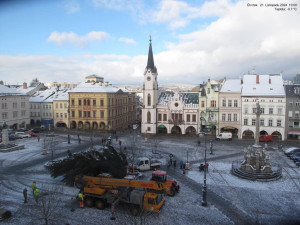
(81, 198)
(36, 194)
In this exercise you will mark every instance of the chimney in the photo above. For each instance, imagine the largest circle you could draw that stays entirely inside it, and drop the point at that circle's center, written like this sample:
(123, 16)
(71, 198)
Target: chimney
(106, 83)
(100, 83)
(269, 80)
(257, 79)
(24, 85)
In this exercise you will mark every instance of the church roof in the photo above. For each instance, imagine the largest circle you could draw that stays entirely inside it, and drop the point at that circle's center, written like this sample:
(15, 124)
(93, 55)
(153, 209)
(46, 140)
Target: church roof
(150, 63)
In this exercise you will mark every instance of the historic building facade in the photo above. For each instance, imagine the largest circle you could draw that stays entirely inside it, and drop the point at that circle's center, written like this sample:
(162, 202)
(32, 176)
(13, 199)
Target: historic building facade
(97, 105)
(268, 90)
(230, 107)
(61, 109)
(14, 108)
(209, 107)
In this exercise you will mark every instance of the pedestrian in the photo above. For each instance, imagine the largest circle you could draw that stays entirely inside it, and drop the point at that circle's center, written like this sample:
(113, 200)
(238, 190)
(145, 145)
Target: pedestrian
(69, 153)
(171, 160)
(81, 198)
(120, 142)
(199, 142)
(174, 163)
(206, 166)
(33, 186)
(79, 140)
(38, 137)
(25, 195)
(36, 194)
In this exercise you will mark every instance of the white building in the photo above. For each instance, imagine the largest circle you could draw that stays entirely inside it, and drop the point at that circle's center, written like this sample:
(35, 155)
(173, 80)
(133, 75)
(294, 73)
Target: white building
(14, 108)
(269, 91)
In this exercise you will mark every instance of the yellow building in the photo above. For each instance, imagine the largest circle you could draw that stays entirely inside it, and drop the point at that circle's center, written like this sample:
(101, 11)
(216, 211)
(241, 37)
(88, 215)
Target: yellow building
(98, 105)
(60, 109)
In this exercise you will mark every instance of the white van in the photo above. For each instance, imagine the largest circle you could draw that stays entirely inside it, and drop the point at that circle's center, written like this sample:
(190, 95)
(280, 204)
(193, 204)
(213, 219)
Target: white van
(224, 136)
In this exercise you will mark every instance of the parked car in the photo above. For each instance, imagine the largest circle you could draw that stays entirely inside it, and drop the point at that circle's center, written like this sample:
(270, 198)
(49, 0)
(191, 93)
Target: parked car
(297, 161)
(43, 127)
(266, 138)
(293, 152)
(294, 155)
(35, 130)
(11, 137)
(32, 134)
(22, 135)
(286, 151)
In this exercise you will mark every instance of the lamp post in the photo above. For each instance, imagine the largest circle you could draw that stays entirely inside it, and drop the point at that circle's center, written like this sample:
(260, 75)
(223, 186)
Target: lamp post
(204, 203)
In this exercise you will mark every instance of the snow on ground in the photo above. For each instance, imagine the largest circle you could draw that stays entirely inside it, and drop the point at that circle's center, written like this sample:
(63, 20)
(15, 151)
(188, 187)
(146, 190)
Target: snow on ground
(276, 202)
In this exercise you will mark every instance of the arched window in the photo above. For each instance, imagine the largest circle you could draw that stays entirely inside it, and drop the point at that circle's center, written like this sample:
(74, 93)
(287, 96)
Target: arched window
(148, 117)
(149, 100)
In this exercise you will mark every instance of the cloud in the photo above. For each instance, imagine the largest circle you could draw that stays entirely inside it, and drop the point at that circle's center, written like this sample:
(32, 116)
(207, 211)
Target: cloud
(128, 41)
(71, 6)
(74, 39)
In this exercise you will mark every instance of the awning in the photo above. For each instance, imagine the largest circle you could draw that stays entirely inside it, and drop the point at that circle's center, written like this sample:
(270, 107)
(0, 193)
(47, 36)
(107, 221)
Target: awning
(162, 126)
(61, 122)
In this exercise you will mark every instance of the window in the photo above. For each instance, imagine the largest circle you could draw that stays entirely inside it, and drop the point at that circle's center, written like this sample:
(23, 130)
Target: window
(56, 105)
(194, 118)
(149, 100)
(61, 115)
(15, 114)
(262, 122)
(296, 124)
(23, 104)
(4, 115)
(202, 104)
(102, 114)
(296, 114)
(253, 122)
(159, 117)
(66, 115)
(56, 115)
(223, 116)
(270, 123)
(279, 111)
(229, 117)
(291, 103)
(213, 103)
(61, 105)
(290, 113)
(188, 118)
(148, 117)
(165, 117)
(270, 110)
(94, 102)
(297, 104)
(246, 110)
(4, 105)
(72, 102)
(245, 121)
(84, 101)
(15, 105)
(80, 113)
(234, 117)
(229, 103)
(23, 112)
(84, 114)
(224, 103)
(88, 102)
(148, 128)
(208, 90)
(65, 105)
(278, 123)
(254, 110)
(88, 114)
(101, 102)
(235, 104)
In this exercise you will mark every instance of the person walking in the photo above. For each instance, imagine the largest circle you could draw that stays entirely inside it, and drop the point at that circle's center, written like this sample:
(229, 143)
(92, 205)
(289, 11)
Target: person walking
(33, 186)
(81, 198)
(79, 140)
(36, 195)
(174, 163)
(25, 195)
(38, 137)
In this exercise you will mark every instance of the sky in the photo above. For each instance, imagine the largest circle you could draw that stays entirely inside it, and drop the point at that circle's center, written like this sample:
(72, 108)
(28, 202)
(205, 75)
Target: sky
(67, 40)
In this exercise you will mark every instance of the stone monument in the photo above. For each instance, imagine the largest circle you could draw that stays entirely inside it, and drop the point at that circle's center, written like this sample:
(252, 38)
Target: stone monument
(256, 164)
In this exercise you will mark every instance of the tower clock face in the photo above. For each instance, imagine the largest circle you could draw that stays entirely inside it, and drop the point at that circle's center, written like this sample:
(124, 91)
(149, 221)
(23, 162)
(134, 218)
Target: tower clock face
(148, 78)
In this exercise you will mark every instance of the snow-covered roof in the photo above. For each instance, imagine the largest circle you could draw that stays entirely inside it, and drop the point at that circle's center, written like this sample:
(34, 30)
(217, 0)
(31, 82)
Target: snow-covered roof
(61, 96)
(42, 95)
(263, 85)
(232, 85)
(8, 91)
(186, 97)
(94, 88)
(93, 76)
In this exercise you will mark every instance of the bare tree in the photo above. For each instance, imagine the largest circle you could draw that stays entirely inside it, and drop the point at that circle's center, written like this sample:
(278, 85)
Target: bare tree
(132, 152)
(50, 144)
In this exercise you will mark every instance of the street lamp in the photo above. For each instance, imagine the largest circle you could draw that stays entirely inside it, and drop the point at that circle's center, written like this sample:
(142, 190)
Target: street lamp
(204, 203)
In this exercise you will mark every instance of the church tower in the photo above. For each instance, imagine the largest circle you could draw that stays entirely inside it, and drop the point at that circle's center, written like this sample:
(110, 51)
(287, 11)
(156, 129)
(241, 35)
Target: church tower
(150, 95)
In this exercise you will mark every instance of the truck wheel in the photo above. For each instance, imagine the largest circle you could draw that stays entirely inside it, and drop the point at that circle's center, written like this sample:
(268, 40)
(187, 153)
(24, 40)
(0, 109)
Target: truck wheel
(79, 183)
(89, 202)
(100, 204)
(135, 210)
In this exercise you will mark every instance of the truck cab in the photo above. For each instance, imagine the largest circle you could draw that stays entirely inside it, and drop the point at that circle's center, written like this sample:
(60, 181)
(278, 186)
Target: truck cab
(144, 163)
(171, 187)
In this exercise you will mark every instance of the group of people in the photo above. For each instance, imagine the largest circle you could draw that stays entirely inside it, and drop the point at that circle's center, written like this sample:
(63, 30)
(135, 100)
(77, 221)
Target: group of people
(35, 192)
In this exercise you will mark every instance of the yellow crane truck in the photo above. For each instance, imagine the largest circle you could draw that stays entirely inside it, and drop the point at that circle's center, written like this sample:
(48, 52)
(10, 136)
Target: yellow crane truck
(139, 195)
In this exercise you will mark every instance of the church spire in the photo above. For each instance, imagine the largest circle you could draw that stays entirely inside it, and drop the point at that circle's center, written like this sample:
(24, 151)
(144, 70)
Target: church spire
(150, 63)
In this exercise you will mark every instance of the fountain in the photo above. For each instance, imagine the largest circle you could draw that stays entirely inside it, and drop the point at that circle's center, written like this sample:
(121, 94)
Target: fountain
(5, 146)
(256, 164)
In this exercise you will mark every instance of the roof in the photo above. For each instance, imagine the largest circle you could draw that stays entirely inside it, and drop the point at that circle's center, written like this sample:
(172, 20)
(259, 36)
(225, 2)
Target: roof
(186, 97)
(41, 96)
(4, 91)
(93, 76)
(292, 90)
(95, 88)
(268, 85)
(232, 85)
(150, 63)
